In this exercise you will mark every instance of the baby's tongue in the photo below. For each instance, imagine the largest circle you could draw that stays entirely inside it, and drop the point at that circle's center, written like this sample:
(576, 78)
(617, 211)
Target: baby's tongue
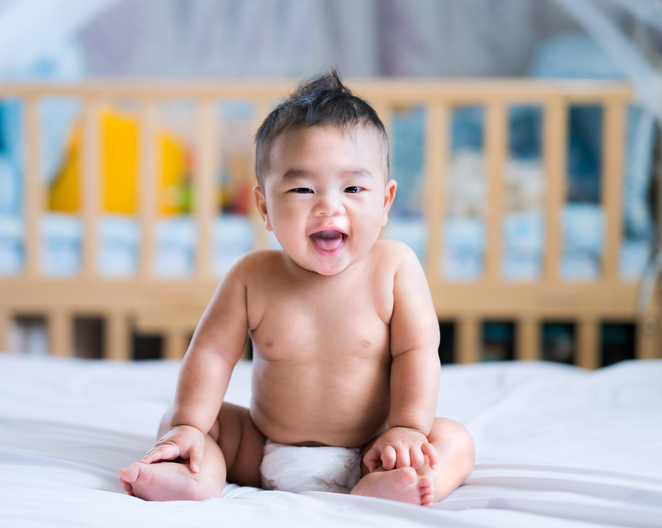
(327, 240)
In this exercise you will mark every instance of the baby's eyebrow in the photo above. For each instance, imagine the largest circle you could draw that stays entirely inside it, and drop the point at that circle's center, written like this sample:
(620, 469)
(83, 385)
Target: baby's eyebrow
(293, 174)
(365, 173)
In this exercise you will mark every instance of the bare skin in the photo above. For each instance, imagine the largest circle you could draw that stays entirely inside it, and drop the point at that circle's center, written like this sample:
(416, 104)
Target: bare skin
(344, 339)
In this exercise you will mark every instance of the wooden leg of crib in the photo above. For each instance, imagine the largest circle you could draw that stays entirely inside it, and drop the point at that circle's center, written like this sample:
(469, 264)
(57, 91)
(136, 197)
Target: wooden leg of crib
(176, 343)
(5, 324)
(468, 344)
(588, 345)
(528, 340)
(118, 342)
(648, 338)
(60, 334)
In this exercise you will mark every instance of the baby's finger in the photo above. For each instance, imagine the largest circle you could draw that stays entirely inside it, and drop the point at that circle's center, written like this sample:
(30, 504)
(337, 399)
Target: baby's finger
(417, 458)
(389, 457)
(429, 451)
(162, 452)
(403, 459)
(196, 459)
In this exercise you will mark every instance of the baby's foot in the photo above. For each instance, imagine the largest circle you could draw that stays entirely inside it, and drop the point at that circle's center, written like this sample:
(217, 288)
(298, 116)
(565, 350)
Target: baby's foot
(403, 485)
(164, 481)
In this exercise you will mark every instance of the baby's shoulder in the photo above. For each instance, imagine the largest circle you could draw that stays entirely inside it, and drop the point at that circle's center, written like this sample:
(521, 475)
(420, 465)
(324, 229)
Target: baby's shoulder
(395, 255)
(254, 264)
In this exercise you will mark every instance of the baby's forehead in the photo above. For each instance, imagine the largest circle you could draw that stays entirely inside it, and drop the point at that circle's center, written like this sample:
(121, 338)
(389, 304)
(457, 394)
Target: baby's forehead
(367, 138)
(355, 132)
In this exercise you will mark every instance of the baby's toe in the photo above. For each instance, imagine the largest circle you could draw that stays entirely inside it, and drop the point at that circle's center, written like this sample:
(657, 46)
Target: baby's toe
(427, 490)
(130, 474)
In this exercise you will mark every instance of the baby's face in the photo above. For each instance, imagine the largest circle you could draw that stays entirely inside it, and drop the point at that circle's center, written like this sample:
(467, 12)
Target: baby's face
(325, 196)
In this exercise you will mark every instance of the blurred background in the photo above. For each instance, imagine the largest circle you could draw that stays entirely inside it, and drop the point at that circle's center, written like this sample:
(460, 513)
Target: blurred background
(203, 39)
(206, 40)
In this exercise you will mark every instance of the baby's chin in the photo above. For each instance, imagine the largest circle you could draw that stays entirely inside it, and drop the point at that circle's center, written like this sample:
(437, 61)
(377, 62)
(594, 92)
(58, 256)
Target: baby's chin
(323, 269)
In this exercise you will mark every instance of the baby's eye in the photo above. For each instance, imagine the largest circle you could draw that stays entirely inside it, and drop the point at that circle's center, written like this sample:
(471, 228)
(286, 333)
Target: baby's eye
(302, 190)
(353, 189)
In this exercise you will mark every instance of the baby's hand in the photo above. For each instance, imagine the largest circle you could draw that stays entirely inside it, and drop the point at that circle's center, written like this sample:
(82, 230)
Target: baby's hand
(400, 447)
(182, 441)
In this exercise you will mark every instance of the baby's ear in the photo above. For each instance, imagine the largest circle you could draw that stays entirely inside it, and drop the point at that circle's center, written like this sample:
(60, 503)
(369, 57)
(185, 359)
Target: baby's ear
(389, 196)
(261, 203)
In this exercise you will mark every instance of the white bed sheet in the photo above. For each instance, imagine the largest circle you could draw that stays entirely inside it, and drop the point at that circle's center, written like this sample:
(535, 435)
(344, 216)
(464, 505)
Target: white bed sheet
(556, 446)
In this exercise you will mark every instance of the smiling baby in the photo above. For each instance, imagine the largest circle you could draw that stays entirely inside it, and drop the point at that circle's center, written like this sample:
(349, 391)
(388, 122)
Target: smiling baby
(344, 334)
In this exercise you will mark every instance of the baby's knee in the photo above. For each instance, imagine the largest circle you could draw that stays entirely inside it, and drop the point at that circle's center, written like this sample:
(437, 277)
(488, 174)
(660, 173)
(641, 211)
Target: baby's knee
(453, 435)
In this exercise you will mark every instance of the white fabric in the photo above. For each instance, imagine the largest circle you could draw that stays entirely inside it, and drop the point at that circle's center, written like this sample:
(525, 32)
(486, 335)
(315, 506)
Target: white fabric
(557, 446)
(296, 469)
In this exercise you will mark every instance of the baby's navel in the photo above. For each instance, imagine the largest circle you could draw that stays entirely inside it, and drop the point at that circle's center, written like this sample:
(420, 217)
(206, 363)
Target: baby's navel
(366, 344)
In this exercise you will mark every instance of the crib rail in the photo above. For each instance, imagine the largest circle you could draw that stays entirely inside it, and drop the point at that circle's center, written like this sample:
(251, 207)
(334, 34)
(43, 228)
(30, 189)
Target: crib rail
(172, 307)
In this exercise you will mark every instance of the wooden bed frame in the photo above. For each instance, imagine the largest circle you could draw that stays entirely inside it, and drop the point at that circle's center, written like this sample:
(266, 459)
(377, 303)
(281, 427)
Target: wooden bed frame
(172, 308)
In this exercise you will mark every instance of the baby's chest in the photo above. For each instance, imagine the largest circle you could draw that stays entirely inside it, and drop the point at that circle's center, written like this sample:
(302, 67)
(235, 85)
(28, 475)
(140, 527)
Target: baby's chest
(296, 328)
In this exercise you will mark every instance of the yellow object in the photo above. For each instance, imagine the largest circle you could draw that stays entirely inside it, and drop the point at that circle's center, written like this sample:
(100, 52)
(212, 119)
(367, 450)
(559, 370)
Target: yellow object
(119, 169)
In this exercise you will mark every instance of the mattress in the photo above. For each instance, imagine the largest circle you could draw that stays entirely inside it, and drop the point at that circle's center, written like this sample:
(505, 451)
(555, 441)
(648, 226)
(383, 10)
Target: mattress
(556, 446)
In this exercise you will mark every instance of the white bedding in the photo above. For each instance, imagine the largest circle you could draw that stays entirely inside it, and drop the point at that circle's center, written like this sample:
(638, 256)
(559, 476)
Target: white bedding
(556, 446)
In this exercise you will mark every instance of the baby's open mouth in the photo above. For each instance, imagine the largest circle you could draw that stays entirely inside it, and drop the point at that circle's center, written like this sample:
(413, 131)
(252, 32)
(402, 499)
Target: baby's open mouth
(328, 241)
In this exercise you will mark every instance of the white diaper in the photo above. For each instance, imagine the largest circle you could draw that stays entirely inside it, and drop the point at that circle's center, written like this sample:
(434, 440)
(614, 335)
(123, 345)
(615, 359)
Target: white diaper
(295, 469)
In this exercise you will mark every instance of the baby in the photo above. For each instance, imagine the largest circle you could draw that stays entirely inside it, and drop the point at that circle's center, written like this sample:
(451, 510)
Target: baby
(344, 334)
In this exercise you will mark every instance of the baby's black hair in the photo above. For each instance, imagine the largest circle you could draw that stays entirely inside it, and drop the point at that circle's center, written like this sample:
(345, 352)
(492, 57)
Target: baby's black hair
(319, 101)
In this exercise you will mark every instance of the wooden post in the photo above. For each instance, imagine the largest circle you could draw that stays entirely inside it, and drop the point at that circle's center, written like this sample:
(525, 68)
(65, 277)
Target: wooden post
(148, 176)
(176, 343)
(33, 188)
(205, 184)
(117, 337)
(528, 340)
(90, 187)
(60, 334)
(262, 109)
(496, 147)
(555, 139)
(437, 147)
(613, 146)
(468, 350)
(649, 338)
(5, 324)
(588, 344)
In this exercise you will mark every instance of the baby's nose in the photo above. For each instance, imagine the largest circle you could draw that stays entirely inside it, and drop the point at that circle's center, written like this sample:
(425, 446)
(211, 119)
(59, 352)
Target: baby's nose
(329, 206)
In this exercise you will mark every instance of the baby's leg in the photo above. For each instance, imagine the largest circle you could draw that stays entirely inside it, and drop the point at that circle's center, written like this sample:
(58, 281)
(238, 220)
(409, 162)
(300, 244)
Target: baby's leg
(456, 456)
(233, 451)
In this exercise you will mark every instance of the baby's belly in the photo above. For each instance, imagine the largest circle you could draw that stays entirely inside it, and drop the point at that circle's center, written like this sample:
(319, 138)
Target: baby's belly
(302, 405)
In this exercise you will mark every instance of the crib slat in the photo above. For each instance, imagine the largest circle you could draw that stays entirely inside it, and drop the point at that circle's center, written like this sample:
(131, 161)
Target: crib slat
(612, 186)
(205, 191)
(649, 338)
(176, 343)
(117, 344)
(468, 344)
(34, 188)
(659, 200)
(262, 109)
(496, 145)
(5, 324)
(555, 128)
(148, 171)
(588, 344)
(437, 147)
(90, 186)
(528, 340)
(60, 330)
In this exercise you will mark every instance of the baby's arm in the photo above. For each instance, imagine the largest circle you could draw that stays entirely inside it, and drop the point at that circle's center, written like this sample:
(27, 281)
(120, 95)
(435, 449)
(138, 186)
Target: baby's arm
(203, 379)
(414, 371)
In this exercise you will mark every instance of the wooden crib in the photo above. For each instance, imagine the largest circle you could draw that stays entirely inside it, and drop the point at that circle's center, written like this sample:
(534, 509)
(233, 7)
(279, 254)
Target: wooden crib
(172, 308)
